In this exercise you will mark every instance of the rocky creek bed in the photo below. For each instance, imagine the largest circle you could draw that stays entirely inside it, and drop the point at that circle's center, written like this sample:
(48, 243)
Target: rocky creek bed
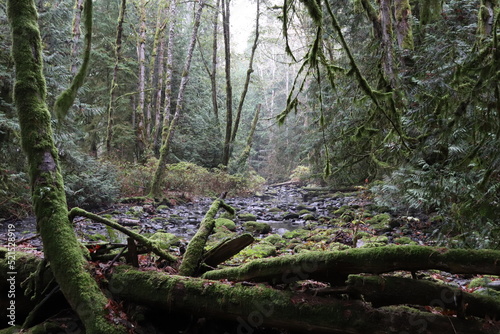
(284, 220)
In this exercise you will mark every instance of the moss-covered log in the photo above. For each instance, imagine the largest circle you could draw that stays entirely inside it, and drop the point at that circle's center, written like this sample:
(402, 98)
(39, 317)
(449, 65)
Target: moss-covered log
(335, 265)
(194, 252)
(60, 244)
(150, 244)
(255, 306)
(382, 291)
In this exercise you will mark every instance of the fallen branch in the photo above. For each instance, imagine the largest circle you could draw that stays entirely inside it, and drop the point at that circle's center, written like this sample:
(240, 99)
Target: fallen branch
(194, 252)
(136, 236)
(334, 266)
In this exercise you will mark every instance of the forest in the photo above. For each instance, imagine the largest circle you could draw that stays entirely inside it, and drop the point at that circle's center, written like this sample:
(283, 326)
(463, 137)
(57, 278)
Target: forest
(249, 166)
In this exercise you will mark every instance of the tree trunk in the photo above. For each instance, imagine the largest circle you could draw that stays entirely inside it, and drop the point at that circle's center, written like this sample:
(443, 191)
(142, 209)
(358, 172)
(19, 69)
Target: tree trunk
(430, 11)
(249, 73)
(76, 35)
(229, 89)
(114, 79)
(143, 125)
(194, 252)
(335, 266)
(159, 58)
(404, 32)
(169, 127)
(387, 43)
(213, 73)
(256, 306)
(61, 247)
(387, 290)
(486, 18)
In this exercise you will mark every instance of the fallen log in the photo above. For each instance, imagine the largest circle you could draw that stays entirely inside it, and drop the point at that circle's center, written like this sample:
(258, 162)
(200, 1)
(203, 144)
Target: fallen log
(388, 290)
(335, 266)
(252, 306)
(196, 247)
(150, 244)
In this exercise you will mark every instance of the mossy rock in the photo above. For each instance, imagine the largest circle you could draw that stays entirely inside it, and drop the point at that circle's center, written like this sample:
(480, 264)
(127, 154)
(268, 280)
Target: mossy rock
(380, 222)
(247, 217)
(304, 212)
(309, 217)
(162, 207)
(404, 241)
(257, 227)
(258, 251)
(274, 239)
(274, 210)
(298, 233)
(227, 223)
(165, 240)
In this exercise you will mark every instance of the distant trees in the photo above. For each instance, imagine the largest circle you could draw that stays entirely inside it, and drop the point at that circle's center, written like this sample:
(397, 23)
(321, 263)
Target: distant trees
(414, 104)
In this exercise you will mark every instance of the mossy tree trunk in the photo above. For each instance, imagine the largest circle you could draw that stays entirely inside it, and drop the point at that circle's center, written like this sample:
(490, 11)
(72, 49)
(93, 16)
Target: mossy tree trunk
(143, 123)
(114, 79)
(170, 124)
(486, 17)
(61, 247)
(194, 252)
(404, 31)
(252, 306)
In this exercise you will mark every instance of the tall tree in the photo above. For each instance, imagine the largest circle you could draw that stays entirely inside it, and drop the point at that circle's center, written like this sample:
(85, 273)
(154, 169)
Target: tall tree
(229, 88)
(232, 128)
(169, 124)
(143, 126)
(114, 79)
(61, 246)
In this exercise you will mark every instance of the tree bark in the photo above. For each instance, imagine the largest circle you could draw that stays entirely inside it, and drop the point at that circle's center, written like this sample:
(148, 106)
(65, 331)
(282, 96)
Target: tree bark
(169, 127)
(335, 266)
(114, 79)
(61, 247)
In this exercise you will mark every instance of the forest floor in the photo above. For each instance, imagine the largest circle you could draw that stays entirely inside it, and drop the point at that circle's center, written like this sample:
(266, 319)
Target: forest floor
(284, 219)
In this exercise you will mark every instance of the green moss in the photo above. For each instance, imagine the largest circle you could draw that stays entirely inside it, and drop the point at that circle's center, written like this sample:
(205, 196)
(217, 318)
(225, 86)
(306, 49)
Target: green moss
(165, 240)
(274, 210)
(405, 241)
(298, 233)
(274, 239)
(258, 251)
(257, 227)
(227, 223)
